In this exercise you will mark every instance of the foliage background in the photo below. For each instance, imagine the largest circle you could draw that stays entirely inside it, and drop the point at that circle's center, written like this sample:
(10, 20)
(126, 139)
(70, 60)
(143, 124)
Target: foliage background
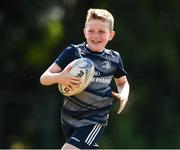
(33, 33)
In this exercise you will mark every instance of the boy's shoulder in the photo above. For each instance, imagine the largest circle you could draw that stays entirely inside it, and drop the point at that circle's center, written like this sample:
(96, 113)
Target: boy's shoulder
(76, 45)
(73, 48)
(112, 52)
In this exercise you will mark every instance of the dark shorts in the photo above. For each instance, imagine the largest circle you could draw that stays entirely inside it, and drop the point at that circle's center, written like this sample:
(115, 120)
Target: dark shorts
(85, 137)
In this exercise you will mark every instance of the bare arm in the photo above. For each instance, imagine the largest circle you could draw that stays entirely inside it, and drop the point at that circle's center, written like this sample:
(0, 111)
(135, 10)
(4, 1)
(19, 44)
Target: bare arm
(54, 74)
(123, 92)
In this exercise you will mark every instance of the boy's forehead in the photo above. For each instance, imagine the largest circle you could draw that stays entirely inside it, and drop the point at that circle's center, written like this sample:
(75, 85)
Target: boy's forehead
(97, 22)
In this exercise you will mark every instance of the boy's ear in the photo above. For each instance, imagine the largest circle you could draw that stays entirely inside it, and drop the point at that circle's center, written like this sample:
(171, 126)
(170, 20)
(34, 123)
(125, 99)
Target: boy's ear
(112, 33)
(84, 32)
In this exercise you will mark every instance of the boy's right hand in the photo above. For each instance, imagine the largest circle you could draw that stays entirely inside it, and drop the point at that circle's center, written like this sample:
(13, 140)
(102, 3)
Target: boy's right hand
(67, 79)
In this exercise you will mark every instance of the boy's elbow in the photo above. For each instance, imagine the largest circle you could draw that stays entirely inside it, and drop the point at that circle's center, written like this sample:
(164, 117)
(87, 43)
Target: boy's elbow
(42, 80)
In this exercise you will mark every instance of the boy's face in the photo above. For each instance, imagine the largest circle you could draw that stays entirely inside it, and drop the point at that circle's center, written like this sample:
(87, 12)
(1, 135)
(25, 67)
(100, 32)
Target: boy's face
(97, 34)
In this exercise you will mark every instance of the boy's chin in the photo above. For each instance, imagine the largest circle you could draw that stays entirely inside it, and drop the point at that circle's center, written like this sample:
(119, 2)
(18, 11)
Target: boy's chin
(96, 48)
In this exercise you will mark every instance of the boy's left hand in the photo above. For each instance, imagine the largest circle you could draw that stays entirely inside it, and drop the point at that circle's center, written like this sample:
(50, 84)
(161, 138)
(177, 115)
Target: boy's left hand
(122, 101)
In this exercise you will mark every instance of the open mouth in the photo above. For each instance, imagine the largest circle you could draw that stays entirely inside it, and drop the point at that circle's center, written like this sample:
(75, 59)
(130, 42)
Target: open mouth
(96, 42)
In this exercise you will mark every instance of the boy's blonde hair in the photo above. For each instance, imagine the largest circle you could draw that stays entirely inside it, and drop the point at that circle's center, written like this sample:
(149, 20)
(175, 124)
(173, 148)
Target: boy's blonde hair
(100, 14)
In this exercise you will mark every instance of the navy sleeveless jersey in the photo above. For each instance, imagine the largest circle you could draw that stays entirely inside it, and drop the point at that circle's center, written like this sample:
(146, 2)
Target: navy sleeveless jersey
(92, 105)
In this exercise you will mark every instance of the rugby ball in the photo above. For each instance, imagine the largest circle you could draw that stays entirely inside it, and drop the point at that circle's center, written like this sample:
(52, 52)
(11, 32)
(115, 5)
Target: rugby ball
(82, 68)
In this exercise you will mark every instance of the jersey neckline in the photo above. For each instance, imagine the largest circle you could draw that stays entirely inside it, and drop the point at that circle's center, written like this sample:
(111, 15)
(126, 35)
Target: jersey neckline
(85, 45)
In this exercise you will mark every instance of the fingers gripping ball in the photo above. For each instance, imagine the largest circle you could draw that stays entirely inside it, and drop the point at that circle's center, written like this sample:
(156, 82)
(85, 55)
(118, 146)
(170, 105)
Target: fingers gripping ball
(82, 68)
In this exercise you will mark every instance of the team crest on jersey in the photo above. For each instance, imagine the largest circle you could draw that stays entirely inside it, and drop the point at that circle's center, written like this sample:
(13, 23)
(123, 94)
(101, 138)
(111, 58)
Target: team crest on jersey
(106, 65)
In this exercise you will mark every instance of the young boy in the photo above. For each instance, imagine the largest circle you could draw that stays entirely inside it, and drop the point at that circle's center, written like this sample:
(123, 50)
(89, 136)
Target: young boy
(84, 116)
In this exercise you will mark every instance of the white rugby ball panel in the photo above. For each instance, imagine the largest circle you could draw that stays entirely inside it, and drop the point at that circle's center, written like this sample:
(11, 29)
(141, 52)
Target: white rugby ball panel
(82, 68)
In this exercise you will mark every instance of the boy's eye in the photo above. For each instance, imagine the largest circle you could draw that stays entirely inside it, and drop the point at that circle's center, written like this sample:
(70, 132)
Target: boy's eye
(90, 30)
(102, 31)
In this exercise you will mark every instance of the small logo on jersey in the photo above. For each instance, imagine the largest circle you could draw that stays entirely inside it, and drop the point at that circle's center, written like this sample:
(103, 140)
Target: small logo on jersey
(74, 138)
(106, 65)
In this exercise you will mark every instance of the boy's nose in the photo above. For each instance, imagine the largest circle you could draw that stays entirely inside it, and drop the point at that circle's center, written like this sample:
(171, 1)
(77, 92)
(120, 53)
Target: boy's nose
(96, 34)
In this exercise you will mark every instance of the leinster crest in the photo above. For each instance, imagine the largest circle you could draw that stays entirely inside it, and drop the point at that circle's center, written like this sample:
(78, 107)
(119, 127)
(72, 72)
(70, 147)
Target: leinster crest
(106, 65)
